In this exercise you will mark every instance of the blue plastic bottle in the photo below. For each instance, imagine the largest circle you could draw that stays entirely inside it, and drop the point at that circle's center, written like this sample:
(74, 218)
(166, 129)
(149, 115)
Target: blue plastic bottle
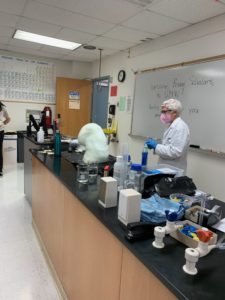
(57, 145)
(144, 157)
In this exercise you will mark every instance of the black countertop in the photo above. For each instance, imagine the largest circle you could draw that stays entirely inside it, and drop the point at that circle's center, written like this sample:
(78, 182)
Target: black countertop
(48, 142)
(166, 264)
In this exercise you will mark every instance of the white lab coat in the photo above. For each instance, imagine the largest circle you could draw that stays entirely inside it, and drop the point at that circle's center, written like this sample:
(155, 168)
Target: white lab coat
(174, 148)
(3, 115)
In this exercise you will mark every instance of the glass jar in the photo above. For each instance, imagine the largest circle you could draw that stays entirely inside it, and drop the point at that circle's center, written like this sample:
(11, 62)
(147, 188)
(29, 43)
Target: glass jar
(92, 173)
(82, 172)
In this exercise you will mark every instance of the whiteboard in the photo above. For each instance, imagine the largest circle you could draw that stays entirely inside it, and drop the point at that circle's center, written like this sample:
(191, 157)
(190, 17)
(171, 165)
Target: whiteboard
(201, 90)
(26, 80)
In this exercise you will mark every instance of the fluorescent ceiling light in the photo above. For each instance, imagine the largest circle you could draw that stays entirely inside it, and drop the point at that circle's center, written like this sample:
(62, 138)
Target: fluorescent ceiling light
(41, 39)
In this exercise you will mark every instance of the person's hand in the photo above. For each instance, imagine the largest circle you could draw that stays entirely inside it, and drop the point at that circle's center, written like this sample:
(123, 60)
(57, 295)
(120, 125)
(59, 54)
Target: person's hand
(151, 143)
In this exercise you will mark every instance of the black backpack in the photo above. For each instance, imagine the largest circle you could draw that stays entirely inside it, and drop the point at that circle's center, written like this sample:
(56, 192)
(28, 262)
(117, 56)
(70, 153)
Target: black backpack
(167, 186)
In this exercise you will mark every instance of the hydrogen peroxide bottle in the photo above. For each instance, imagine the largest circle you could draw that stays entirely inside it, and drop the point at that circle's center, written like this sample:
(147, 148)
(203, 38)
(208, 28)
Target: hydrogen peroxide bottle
(40, 135)
(144, 157)
(57, 144)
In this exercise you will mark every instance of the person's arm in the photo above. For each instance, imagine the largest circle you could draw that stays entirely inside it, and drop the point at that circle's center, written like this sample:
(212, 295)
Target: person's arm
(7, 120)
(6, 116)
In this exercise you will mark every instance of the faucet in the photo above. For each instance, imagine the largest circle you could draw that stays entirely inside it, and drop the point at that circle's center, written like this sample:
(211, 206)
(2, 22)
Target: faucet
(192, 255)
(160, 232)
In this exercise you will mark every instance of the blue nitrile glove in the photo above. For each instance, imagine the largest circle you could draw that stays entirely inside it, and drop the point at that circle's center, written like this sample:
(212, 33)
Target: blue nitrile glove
(151, 143)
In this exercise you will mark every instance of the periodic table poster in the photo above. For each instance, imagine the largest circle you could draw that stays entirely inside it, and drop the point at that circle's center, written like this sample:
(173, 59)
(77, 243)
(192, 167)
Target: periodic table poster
(26, 80)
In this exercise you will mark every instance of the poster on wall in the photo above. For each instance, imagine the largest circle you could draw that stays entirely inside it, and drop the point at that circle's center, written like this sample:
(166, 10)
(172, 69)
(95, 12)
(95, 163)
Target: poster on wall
(74, 104)
(74, 95)
(74, 100)
(26, 80)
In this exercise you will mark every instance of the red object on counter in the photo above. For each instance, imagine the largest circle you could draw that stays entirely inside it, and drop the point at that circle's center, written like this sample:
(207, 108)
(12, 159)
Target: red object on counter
(106, 171)
(48, 116)
(204, 235)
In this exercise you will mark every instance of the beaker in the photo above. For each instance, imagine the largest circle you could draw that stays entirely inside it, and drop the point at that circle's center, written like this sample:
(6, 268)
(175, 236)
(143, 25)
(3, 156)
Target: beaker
(82, 172)
(93, 173)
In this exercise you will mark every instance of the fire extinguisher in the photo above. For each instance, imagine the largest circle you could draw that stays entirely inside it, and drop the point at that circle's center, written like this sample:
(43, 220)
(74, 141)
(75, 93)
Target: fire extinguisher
(48, 116)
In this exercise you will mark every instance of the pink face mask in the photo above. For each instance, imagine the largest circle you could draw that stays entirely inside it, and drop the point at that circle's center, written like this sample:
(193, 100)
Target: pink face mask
(166, 118)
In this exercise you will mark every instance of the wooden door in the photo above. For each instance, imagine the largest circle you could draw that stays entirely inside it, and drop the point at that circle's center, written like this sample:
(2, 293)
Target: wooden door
(74, 113)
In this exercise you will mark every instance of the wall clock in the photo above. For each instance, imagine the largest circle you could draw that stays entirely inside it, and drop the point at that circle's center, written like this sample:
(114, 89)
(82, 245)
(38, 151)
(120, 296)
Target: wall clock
(121, 75)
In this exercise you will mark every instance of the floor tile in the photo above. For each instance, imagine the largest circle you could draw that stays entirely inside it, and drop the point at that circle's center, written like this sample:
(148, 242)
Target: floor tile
(24, 274)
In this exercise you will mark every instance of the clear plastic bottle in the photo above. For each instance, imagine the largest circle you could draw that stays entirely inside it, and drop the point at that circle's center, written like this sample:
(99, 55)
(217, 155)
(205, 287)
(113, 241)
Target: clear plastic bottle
(119, 170)
(133, 181)
(130, 183)
(57, 144)
(144, 157)
(40, 135)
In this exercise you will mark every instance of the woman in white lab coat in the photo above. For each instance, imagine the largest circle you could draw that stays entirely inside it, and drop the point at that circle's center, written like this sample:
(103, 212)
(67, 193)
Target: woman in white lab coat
(4, 119)
(174, 148)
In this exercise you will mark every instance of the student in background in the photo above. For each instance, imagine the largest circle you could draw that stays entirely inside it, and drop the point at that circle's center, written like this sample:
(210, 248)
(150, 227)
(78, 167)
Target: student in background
(174, 147)
(4, 119)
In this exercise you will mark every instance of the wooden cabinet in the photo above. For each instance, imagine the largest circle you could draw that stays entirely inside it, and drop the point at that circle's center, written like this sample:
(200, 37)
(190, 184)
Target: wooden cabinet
(48, 212)
(137, 282)
(90, 262)
(92, 255)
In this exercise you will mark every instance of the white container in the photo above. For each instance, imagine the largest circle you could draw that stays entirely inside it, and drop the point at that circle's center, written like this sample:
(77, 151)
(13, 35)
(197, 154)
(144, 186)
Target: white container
(108, 192)
(40, 135)
(168, 169)
(119, 172)
(129, 206)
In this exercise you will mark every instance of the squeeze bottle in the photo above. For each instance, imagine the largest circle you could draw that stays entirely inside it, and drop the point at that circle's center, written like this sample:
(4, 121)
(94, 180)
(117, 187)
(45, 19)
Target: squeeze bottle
(40, 135)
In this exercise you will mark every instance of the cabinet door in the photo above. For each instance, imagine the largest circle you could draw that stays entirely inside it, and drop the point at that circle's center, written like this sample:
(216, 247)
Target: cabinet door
(92, 255)
(48, 212)
(137, 282)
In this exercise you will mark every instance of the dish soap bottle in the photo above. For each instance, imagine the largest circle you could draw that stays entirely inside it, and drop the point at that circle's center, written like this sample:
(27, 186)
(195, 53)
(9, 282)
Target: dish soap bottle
(40, 135)
(57, 145)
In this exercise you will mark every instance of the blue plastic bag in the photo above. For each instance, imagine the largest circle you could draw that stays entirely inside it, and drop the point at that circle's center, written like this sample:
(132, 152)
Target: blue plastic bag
(153, 209)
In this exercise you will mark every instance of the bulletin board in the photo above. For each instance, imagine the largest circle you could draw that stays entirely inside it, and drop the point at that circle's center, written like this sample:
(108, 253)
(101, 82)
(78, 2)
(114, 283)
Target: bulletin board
(201, 89)
(26, 80)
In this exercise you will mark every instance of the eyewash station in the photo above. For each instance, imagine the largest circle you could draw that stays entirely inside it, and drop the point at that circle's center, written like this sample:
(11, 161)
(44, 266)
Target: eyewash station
(129, 231)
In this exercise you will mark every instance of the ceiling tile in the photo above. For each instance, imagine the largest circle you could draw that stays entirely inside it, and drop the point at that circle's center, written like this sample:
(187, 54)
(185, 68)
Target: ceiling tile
(104, 42)
(190, 11)
(56, 50)
(3, 46)
(12, 6)
(8, 19)
(25, 44)
(129, 35)
(154, 23)
(114, 11)
(88, 55)
(6, 31)
(53, 15)
(75, 36)
(34, 52)
(37, 27)
(4, 39)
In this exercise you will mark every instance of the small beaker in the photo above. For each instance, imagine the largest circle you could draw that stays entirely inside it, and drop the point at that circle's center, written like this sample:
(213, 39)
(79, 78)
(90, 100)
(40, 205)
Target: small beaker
(82, 172)
(93, 173)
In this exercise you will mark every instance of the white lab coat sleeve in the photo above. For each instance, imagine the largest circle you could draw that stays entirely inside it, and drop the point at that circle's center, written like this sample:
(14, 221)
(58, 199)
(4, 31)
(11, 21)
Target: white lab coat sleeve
(176, 145)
